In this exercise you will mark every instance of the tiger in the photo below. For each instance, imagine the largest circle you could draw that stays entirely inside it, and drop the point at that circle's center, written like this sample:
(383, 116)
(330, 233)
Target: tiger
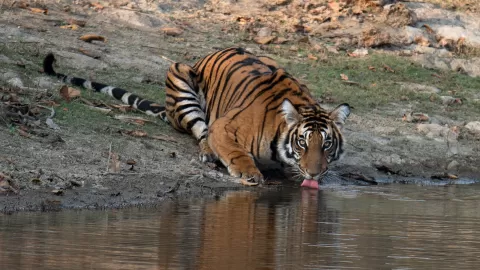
(244, 110)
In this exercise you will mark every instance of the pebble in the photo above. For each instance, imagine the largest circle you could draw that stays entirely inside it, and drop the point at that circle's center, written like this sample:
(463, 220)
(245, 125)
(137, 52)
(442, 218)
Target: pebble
(474, 127)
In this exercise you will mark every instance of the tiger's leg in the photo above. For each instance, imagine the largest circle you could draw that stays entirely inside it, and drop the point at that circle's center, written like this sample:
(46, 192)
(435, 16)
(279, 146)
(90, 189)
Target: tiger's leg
(234, 157)
(185, 106)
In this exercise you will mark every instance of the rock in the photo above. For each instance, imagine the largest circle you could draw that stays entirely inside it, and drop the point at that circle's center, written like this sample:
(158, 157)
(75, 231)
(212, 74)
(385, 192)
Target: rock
(264, 40)
(264, 32)
(419, 87)
(15, 82)
(473, 127)
(433, 130)
(43, 82)
(5, 60)
(453, 165)
(469, 66)
(399, 15)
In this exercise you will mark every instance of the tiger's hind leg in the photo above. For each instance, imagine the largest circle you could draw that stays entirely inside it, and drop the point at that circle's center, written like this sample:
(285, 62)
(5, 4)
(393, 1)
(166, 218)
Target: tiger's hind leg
(185, 106)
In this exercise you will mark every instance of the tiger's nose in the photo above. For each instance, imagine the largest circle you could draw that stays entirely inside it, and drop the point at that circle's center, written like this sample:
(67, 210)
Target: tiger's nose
(313, 174)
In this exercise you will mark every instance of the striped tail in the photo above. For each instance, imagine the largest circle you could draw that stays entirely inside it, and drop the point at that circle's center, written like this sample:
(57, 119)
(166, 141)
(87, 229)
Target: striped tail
(149, 107)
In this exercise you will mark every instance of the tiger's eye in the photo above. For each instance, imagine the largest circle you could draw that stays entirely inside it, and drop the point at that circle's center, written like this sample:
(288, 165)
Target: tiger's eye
(327, 144)
(302, 143)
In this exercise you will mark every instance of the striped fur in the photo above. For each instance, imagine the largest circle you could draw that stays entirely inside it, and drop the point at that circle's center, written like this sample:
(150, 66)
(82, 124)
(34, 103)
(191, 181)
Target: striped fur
(243, 110)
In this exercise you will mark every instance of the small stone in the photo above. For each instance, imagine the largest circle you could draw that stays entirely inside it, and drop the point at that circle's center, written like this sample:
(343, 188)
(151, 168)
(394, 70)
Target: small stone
(15, 82)
(419, 87)
(264, 32)
(473, 127)
(453, 165)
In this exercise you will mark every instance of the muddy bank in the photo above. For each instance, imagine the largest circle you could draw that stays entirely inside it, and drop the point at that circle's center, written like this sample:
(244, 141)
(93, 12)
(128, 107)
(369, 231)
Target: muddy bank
(82, 160)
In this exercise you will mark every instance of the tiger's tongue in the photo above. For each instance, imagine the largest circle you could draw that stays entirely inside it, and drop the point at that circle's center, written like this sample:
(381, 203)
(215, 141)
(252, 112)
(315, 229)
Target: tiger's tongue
(310, 183)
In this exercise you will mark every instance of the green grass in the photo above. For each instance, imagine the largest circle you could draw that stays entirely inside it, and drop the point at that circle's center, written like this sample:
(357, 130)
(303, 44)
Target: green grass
(380, 88)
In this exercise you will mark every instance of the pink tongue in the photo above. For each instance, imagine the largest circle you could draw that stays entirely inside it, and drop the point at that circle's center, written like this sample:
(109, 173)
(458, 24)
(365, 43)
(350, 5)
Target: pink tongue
(310, 184)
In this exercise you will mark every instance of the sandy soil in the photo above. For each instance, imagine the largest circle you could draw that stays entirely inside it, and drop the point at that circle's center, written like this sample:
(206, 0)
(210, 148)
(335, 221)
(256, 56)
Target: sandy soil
(67, 168)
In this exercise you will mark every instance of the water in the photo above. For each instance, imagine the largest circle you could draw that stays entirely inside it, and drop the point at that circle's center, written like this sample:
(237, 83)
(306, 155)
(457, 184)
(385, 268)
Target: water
(381, 227)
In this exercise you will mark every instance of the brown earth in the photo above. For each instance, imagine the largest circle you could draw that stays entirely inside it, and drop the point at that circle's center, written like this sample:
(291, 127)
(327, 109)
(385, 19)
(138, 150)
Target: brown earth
(75, 166)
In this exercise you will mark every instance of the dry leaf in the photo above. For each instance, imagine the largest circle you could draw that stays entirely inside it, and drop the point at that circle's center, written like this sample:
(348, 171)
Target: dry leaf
(88, 53)
(80, 23)
(372, 68)
(344, 77)
(387, 68)
(122, 107)
(358, 53)
(244, 20)
(68, 93)
(436, 75)
(172, 31)
(312, 57)
(135, 133)
(90, 38)
(70, 26)
(39, 10)
(264, 40)
(97, 6)
(23, 133)
(415, 117)
(422, 41)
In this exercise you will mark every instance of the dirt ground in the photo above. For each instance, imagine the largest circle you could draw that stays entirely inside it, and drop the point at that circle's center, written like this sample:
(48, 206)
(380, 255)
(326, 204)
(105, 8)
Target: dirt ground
(79, 158)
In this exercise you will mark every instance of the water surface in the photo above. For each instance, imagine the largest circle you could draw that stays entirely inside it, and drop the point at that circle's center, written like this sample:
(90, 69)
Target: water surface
(380, 227)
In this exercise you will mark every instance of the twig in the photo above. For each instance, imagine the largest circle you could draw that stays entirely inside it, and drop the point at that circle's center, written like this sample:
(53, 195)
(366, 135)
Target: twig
(168, 59)
(109, 155)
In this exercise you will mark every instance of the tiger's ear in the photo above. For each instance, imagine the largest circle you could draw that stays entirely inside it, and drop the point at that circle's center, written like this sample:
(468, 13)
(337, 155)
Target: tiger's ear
(289, 112)
(340, 114)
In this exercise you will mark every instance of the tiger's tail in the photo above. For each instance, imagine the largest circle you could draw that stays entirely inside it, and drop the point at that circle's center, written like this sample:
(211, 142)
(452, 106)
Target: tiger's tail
(147, 106)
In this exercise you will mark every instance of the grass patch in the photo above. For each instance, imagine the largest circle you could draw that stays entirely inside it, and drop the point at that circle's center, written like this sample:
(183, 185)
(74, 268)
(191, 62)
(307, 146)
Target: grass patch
(381, 88)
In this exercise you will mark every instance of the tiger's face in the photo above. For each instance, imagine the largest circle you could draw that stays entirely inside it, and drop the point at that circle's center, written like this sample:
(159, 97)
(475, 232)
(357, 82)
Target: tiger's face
(312, 138)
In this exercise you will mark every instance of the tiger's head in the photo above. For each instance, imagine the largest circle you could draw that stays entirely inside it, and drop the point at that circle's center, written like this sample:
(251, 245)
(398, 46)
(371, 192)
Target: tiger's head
(311, 138)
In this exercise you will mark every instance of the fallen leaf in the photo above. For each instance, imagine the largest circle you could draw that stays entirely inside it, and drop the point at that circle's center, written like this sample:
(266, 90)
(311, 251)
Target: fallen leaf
(264, 40)
(387, 68)
(90, 38)
(244, 20)
(70, 26)
(80, 23)
(372, 68)
(68, 93)
(422, 41)
(344, 77)
(436, 75)
(97, 6)
(171, 31)
(312, 57)
(23, 133)
(39, 10)
(358, 53)
(415, 117)
(135, 133)
(88, 53)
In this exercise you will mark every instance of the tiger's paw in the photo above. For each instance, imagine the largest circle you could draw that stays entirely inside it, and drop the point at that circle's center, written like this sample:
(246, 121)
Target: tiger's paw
(206, 153)
(249, 177)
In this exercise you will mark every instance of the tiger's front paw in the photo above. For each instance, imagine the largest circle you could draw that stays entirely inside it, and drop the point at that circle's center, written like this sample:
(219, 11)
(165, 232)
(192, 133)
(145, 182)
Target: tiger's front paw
(206, 153)
(250, 176)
